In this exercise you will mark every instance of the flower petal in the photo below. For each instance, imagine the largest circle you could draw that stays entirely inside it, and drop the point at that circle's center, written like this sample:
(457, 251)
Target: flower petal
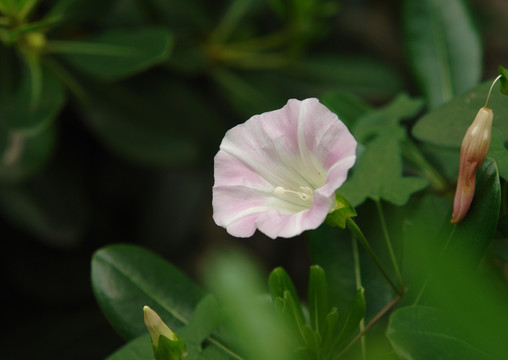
(301, 146)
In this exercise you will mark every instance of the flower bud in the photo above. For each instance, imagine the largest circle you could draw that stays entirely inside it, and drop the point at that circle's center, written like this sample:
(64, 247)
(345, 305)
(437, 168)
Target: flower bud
(475, 147)
(166, 345)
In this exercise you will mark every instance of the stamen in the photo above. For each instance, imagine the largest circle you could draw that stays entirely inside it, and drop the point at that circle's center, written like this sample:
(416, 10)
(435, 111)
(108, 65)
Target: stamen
(305, 194)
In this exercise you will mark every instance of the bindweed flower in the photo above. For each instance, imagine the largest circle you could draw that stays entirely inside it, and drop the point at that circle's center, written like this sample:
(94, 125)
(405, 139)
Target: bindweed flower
(278, 171)
(166, 345)
(474, 149)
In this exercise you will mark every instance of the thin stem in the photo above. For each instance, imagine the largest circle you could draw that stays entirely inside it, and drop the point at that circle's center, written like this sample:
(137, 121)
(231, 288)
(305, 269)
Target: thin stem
(389, 244)
(361, 238)
(371, 323)
(491, 86)
(414, 154)
(358, 279)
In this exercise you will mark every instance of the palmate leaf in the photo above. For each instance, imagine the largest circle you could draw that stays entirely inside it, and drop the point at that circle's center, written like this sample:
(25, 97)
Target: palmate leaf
(443, 48)
(381, 162)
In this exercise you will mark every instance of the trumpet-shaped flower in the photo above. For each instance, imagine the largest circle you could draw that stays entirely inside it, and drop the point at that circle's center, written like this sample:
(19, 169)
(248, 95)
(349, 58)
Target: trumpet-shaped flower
(278, 171)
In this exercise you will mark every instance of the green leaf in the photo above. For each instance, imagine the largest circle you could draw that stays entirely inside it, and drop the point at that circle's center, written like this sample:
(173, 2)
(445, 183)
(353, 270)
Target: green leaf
(127, 277)
(422, 333)
(443, 48)
(131, 121)
(281, 286)
(499, 153)
(318, 300)
(37, 102)
(448, 124)
(138, 349)
(23, 155)
(381, 161)
(504, 80)
(205, 320)
(117, 53)
(347, 106)
(386, 119)
(259, 332)
(360, 75)
(354, 315)
(52, 205)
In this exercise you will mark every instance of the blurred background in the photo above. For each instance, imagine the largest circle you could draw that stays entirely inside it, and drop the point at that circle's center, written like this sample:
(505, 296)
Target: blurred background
(111, 113)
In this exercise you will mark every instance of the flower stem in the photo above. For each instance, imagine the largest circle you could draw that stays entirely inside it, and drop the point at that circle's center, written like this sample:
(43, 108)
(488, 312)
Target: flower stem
(490, 90)
(361, 238)
(389, 244)
(358, 278)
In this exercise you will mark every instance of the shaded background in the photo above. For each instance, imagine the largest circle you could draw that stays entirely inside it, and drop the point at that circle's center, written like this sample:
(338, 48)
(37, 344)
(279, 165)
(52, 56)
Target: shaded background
(99, 186)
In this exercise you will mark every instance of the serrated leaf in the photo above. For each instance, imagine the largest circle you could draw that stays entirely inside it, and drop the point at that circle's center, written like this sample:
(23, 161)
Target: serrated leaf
(422, 333)
(381, 160)
(443, 47)
(447, 125)
(127, 277)
(116, 54)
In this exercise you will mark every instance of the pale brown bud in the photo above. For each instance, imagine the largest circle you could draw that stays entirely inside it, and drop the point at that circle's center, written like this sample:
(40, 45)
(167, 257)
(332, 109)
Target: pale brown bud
(475, 146)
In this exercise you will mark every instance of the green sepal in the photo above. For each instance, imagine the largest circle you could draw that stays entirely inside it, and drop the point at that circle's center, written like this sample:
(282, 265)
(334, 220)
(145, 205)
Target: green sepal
(503, 80)
(340, 213)
(169, 349)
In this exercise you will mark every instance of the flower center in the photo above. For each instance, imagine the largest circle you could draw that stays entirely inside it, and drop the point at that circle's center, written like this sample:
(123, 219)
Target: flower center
(305, 194)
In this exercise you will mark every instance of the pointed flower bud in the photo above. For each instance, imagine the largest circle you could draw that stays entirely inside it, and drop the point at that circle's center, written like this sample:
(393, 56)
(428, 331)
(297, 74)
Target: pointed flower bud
(166, 345)
(475, 147)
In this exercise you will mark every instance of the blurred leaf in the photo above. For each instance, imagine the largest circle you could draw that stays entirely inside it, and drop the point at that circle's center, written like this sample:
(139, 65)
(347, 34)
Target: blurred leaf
(422, 333)
(318, 299)
(281, 286)
(138, 349)
(443, 47)
(330, 248)
(504, 80)
(127, 277)
(22, 155)
(354, 315)
(447, 125)
(381, 161)
(77, 11)
(360, 75)
(131, 120)
(117, 53)
(259, 332)
(52, 205)
(204, 321)
(37, 101)
(347, 106)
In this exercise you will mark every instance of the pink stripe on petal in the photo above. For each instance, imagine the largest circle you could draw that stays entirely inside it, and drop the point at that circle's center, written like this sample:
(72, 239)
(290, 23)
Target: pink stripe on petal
(302, 150)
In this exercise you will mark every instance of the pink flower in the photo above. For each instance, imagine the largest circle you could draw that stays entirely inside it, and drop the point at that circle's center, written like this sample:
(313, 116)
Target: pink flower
(278, 171)
(474, 149)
